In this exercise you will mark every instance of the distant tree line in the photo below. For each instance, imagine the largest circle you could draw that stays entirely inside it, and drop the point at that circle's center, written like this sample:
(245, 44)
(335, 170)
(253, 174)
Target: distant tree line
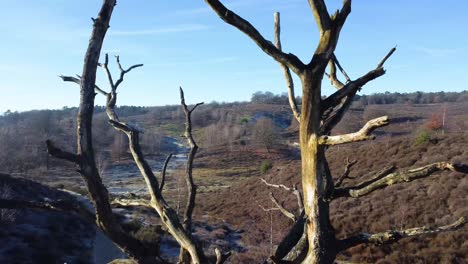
(377, 98)
(412, 98)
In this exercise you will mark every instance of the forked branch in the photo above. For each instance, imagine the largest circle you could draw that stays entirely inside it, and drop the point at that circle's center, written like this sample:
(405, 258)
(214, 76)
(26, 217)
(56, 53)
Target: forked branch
(191, 187)
(397, 177)
(283, 210)
(346, 172)
(293, 190)
(353, 86)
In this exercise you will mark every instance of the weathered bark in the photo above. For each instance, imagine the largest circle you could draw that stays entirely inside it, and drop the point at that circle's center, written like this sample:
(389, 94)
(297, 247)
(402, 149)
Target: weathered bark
(320, 233)
(87, 165)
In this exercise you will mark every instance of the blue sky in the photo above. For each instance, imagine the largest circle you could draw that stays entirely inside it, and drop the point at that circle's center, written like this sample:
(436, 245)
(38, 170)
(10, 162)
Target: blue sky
(183, 43)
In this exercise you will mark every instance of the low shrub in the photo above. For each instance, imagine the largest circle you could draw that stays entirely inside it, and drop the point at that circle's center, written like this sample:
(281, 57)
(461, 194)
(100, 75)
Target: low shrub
(265, 166)
(422, 137)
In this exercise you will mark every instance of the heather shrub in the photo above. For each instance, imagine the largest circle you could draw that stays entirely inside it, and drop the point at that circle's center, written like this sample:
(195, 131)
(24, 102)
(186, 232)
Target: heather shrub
(422, 137)
(265, 166)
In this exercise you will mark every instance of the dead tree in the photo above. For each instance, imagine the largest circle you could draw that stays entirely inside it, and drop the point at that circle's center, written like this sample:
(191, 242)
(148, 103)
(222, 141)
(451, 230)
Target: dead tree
(105, 218)
(317, 118)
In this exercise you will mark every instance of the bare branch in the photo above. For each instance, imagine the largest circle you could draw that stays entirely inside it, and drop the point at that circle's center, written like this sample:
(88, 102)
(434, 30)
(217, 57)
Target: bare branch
(346, 172)
(329, 28)
(380, 182)
(363, 134)
(58, 153)
(332, 76)
(282, 209)
(294, 190)
(191, 187)
(123, 72)
(163, 172)
(279, 186)
(132, 202)
(285, 69)
(268, 209)
(322, 17)
(77, 80)
(195, 106)
(341, 68)
(353, 86)
(396, 235)
(243, 25)
(167, 214)
(382, 62)
(107, 71)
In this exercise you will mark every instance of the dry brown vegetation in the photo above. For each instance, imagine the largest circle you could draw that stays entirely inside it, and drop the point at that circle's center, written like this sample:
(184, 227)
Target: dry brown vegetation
(230, 190)
(414, 204)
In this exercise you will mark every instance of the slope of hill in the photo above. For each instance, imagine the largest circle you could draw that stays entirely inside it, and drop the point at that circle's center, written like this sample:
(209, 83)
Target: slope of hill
(227, 171)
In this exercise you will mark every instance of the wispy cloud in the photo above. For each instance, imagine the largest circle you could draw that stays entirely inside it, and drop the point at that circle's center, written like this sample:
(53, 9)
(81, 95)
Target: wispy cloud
(438, 52)
(160, 30)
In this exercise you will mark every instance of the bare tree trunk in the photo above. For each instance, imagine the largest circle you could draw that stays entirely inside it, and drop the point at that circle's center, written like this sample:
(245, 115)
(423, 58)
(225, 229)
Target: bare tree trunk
(319, 230)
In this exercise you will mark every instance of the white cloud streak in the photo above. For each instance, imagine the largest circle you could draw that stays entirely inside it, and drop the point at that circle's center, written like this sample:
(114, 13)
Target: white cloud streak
(437, 52)
(161, 30)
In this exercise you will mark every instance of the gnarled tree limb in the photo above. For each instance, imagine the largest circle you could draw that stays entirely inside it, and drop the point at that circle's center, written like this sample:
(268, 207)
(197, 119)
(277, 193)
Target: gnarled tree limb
(396, 235)
(243, 25)
(381, 182)
(363, 134)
